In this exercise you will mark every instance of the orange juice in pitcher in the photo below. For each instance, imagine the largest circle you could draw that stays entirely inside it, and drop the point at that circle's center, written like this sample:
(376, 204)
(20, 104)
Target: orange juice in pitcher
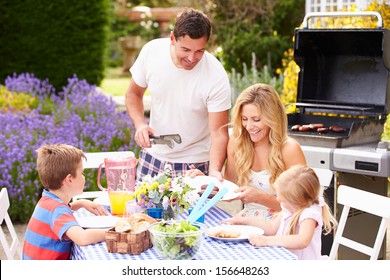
(118, 201)
(120, 174)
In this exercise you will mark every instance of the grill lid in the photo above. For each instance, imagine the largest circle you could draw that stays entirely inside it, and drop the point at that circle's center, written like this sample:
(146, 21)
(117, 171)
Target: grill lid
(343, 70)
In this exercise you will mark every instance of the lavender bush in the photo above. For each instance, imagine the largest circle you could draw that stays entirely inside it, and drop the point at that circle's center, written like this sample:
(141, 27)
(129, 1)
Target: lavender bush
(79, 115)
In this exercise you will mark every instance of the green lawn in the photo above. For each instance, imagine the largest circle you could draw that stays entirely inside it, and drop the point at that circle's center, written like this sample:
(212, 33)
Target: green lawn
(115, 86)
(116, 82)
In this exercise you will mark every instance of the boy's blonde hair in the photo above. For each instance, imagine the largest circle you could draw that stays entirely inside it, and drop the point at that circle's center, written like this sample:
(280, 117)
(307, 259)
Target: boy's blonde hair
(55, 162)
(299, 185)
(272, 112)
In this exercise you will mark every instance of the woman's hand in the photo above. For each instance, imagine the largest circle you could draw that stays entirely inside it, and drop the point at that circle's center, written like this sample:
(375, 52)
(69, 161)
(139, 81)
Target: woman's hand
(248, 194)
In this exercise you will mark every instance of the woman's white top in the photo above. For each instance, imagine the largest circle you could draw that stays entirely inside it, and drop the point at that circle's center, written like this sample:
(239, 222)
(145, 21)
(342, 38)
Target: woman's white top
(259, 180)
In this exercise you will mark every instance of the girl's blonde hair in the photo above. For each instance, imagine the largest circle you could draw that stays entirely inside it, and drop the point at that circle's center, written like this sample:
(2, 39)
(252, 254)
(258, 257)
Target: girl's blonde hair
(299, 185)
(271, 110)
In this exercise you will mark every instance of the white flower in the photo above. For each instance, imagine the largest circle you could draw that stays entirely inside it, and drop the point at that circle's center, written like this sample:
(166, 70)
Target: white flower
(191, 197)
(165, 202)
(176, 185)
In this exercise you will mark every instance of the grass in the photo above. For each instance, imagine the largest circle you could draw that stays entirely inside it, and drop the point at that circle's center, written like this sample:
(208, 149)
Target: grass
(115, 86)
(115, 81)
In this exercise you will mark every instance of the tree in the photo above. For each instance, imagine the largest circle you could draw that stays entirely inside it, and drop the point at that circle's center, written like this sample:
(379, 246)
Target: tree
(263, 27)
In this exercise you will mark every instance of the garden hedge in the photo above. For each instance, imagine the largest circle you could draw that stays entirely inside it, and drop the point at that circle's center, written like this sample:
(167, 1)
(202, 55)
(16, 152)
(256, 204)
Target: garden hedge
(54, 39)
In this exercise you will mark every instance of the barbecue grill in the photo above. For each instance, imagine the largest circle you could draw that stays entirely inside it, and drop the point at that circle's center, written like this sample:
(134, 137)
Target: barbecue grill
(344, 81)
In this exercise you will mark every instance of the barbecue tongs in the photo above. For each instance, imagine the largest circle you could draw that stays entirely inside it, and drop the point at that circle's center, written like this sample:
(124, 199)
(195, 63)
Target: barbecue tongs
(167, 139)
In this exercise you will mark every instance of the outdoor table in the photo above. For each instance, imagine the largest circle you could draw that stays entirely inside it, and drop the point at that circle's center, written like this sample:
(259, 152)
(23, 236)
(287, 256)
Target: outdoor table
(211, 249)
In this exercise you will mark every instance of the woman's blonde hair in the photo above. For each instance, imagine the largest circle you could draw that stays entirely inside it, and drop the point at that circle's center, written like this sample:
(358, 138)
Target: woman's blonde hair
(271, 110)
(299, 185)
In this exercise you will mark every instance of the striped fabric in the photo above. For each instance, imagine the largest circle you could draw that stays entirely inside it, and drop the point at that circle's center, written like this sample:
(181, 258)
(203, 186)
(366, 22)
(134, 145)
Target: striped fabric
(44, 238)
(147, 164)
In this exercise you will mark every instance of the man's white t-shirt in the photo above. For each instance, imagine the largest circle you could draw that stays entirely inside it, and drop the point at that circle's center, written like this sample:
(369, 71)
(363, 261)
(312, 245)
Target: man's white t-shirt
(181, 99)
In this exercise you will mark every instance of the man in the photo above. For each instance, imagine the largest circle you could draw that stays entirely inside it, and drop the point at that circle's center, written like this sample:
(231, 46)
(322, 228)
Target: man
(190, 94)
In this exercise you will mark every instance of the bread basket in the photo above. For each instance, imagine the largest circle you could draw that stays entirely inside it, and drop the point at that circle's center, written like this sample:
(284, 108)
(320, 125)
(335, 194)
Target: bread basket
(127, 243)
(130, 235)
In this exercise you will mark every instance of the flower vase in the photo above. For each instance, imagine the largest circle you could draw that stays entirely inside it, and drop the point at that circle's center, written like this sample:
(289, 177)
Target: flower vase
(168, 213)
(156, 213)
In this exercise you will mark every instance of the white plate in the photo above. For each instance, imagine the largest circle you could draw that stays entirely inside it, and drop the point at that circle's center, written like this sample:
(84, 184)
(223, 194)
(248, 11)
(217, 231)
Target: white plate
(244, 230)
(97, 221)
(199, 181)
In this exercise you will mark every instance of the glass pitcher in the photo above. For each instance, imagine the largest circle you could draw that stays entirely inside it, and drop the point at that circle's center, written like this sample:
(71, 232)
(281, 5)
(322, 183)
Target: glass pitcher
(120, 175)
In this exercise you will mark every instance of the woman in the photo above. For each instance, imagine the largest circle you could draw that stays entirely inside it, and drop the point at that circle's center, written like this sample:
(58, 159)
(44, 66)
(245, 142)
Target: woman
(259, 149)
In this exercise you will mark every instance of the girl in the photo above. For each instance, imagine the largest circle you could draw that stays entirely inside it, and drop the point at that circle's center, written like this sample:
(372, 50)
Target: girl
(304, 213)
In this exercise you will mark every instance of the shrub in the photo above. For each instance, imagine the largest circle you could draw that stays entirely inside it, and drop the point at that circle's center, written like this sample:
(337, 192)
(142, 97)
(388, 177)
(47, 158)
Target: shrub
(265, 28)
(239, 82)
(79, 115)
(20, 102)
(54, 39)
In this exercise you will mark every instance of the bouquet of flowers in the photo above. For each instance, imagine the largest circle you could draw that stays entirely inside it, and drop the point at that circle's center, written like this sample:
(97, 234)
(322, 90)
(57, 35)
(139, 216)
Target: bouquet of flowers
(163, 191)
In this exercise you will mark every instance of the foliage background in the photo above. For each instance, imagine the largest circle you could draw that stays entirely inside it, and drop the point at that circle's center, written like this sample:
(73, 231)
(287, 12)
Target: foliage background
(79, 115)
(264, 28)
(54, 39)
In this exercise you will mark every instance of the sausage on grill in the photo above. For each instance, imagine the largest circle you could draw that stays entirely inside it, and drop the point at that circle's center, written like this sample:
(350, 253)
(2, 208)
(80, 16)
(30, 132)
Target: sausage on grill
(338, 129)
(316, 126)
(322, 130)
(295, 127)
(304, 128)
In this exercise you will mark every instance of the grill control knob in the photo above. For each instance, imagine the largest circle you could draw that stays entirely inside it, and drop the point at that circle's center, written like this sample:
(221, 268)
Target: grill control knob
(382, 146)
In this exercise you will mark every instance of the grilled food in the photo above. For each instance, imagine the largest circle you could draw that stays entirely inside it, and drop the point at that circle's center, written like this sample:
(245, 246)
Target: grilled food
(223, 233)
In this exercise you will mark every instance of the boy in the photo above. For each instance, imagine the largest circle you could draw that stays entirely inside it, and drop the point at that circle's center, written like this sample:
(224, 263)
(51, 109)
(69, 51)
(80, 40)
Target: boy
(52, 227)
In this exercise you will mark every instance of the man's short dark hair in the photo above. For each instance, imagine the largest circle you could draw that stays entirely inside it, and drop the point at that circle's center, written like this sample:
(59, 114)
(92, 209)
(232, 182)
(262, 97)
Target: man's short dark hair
(193, 23)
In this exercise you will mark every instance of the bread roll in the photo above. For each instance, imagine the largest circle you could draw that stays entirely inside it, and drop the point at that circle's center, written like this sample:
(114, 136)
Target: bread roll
(122, 226)
(140, 227)
(139, 217)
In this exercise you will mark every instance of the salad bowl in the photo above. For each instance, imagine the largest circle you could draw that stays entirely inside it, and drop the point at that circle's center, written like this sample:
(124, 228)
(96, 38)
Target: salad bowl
(177, 240)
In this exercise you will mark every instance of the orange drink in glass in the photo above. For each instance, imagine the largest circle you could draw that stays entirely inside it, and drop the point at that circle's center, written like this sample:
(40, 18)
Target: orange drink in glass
(118, 201)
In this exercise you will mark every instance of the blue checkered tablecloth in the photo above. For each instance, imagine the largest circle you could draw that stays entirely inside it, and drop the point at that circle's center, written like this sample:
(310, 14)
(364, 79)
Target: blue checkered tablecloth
(211, 249)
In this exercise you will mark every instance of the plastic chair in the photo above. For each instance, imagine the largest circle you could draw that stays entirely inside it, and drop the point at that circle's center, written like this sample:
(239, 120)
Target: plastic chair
(15, 247)
(93, 161)
(367, 202)
(325, 176)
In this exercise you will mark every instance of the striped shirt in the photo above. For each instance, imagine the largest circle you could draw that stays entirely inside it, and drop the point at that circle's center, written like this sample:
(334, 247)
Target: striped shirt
(45, 239)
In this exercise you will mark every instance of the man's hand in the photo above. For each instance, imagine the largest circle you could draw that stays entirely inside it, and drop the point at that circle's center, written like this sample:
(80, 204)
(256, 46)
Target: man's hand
(142, 136)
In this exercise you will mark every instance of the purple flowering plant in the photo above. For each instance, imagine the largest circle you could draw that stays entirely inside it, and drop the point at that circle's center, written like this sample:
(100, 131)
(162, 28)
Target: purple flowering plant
(79, 115)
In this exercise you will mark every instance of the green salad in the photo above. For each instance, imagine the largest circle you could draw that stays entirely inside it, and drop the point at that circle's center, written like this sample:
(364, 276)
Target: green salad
(177, 240)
